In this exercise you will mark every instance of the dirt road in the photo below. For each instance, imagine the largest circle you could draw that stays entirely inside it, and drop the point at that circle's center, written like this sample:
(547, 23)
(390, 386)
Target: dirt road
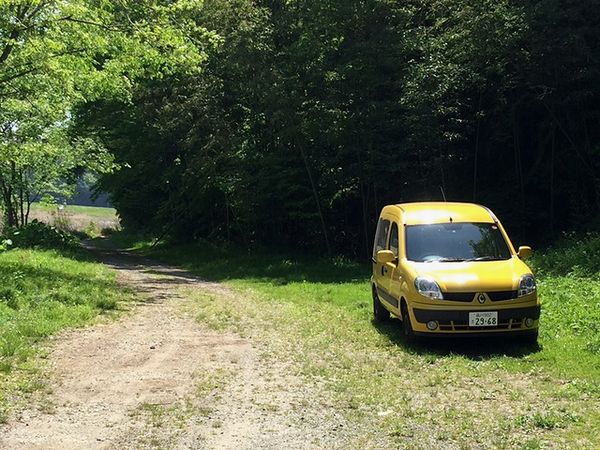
(157, 378)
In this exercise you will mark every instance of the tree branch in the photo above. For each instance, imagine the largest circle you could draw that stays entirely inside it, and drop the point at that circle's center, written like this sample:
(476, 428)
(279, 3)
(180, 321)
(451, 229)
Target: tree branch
(88, 22)
(18, 75)
(34, 69)
(9, 46)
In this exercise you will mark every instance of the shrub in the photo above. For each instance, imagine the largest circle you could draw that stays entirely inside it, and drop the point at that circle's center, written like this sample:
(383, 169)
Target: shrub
(10, 297)
(38, 235)
(574, 255)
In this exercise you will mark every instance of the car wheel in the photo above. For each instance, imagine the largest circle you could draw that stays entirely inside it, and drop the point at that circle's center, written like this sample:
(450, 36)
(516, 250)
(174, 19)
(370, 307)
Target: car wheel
(379, 312)
(406, 325)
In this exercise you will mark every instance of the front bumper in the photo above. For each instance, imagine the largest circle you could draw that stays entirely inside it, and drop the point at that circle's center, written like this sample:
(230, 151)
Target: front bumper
(456, 321)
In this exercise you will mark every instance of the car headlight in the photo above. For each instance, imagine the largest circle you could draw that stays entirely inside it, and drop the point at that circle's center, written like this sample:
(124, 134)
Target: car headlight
(429, 288)
(526, 285)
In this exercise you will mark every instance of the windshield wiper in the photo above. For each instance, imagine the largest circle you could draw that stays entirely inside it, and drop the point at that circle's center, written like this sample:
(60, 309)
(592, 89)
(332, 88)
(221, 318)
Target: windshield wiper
(447, 260)
(484, 258)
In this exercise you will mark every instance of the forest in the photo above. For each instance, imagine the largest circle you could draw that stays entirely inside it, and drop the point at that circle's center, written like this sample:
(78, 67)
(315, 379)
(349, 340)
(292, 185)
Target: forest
(292, 123)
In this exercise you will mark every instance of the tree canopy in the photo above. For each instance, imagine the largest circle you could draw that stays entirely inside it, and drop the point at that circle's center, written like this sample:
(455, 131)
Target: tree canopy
(55, 55)
(294, 122)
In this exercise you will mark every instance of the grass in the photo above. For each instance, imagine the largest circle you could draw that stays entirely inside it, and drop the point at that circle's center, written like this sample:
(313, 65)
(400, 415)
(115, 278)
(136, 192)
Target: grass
(41, 293)
(316, 313)
(90, 211)
(91, 221)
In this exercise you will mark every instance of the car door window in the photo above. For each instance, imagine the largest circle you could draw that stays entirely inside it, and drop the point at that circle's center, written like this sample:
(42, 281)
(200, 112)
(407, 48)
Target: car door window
(394, 241)
(381, 236)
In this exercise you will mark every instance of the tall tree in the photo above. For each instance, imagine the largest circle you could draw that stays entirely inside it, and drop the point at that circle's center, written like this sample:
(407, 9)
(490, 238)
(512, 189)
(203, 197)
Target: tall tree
(57, 54)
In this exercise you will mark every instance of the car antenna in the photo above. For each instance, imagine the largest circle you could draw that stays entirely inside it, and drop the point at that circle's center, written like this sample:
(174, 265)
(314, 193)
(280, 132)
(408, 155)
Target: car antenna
(443, 194)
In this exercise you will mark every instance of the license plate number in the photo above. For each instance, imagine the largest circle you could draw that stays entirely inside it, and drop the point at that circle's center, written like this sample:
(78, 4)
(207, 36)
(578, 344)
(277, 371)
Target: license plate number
(483, 319)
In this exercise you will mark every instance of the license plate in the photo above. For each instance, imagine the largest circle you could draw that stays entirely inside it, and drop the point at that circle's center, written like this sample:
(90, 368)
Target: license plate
(483, 319)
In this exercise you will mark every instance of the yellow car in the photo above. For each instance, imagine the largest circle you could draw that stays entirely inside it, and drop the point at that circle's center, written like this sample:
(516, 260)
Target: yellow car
(450, 269)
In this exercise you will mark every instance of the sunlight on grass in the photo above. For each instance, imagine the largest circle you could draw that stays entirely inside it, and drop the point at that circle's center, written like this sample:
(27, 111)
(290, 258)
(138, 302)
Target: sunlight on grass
(90, 211)
(41, 293)
(491, 393)
(92, 221)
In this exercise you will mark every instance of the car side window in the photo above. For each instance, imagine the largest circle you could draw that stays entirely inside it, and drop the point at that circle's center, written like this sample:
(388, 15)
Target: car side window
(381, 236)
(394, 241)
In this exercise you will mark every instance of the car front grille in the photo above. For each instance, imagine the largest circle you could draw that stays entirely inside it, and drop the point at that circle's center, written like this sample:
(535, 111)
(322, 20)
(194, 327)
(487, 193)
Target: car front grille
(502, 295)
(459, 296)
(468, 297)
(454, 320)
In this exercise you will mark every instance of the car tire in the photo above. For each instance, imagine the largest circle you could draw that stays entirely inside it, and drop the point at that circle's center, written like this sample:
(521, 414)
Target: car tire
(406, 325)
(380, 314)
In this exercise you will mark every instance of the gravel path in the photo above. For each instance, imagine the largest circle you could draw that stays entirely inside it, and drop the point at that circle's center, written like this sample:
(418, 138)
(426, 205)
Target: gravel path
(156, 378)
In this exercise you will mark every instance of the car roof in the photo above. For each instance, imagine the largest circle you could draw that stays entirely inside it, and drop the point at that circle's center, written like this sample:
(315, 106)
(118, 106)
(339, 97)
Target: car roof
(442, 212)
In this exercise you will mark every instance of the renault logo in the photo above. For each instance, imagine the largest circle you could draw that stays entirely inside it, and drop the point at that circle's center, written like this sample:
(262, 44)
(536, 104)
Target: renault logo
(481, 298)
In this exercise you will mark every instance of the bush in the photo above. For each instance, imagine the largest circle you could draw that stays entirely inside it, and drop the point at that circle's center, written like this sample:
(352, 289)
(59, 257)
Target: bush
(573, 255)
(38, 235)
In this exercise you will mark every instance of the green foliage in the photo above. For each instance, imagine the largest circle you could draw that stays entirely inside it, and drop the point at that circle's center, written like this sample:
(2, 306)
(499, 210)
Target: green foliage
(573, 255)
(39, 235)
(57, 55)
(569, 273)
(572, 309)
(307, 117)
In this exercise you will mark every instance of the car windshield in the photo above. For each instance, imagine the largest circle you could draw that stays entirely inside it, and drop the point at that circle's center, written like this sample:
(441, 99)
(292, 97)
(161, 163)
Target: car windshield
(455, 242)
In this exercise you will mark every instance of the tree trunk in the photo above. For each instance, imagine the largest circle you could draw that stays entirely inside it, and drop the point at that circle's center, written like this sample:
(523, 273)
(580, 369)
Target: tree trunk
(29, 201)
(316, 196)
(7, 197)
(477, 135)
(364, 198)
(21, 205)
(552, 150)
(518, 164)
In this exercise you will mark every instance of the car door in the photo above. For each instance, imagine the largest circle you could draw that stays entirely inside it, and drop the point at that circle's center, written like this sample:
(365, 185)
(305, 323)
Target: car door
(390, 270)
(379, 274)
(393, 270)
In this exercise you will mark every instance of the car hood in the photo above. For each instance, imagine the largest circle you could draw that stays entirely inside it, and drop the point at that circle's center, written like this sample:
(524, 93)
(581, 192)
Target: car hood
(474, 276)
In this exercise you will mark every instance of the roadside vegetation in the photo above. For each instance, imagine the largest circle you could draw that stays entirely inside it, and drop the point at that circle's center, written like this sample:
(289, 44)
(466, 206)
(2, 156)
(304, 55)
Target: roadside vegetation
(90, 221)
(47, 283)
(92, 212)
(492, 393)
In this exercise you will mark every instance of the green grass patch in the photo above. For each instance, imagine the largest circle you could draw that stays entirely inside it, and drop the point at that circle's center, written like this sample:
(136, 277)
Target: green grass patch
(97, 212)
(41, 293)
(90, 221)
(484, 393)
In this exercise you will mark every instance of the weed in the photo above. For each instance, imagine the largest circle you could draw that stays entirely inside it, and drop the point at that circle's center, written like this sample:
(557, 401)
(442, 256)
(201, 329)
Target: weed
(532, 444)
(61, 221)
(93, 230)
(546, 420)
(3, 412)
(9, 296)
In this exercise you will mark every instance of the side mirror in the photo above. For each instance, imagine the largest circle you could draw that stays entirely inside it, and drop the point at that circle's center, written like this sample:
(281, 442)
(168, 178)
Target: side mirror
(524, 252)
(385, 256)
